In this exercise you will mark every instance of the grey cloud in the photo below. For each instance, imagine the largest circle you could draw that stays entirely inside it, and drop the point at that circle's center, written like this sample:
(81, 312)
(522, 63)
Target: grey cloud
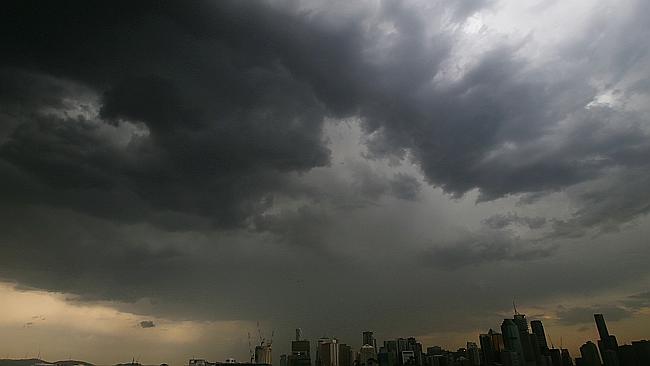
(585, 315)
(500, 221)
(147, 324)
(405, 187)
(638, 301)
(481, 248)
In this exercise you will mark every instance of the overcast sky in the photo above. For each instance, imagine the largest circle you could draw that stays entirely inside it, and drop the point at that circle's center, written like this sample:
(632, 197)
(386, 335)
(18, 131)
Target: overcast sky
(174, 172)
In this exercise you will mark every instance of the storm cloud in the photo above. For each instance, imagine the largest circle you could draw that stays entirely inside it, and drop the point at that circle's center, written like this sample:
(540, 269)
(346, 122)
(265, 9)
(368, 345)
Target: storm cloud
(157, 156)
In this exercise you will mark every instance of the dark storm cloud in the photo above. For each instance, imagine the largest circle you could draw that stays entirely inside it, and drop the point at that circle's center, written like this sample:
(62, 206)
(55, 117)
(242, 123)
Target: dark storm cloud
(501, 221)
(232, 96)
(585, 315)
(147, 324)
(405, 187)
(482, 248)
(222, 118)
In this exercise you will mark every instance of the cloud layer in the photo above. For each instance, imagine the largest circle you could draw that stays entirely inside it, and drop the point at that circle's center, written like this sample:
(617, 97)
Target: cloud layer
(211, 160)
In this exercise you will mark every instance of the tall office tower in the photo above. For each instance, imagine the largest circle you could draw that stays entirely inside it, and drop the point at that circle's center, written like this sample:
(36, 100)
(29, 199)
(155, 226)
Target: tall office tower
(511, 338)
(346, 357)
(402, 345)
(540, 335)
(556, 357)
(369, 338)
(391, 349)
(492, 346)
(589, 354)
(284, 360)
(327, 352)
(522, 323)
(473, 354)
(263, 354)
(300, 351)
(386, 357)
(528, 341)
(510, 358)
(566, 357)
(413, 345)
(367, 355)
(642, 351)
(626, 355)
(607, 343)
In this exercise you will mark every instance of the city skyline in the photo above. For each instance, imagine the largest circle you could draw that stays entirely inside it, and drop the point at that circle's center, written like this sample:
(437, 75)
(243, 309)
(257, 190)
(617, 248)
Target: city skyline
(174, 172)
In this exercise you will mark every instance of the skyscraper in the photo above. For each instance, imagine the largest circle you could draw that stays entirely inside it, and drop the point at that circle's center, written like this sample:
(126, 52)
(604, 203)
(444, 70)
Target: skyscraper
(369, 339)
(540, 336)
(511, 338)
(345, 355)
(607, 343)
(263, 354)
(327, 353)
(491, 347)
(589, 354)
(473, 354)
(367, 355)
(300, 351)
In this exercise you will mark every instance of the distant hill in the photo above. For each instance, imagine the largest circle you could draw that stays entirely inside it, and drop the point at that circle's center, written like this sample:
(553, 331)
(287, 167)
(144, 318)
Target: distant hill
(34, 361)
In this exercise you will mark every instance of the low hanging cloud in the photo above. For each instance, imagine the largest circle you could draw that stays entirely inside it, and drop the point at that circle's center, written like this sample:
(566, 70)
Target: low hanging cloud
(585, 315)
(147, 324)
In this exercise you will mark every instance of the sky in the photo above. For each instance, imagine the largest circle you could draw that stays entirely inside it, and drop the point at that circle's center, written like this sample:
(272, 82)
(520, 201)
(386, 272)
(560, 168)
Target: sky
(175, 172)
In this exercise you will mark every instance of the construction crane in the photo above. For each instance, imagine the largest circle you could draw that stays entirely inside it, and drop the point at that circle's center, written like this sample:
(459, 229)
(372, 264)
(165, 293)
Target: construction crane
(250, 350)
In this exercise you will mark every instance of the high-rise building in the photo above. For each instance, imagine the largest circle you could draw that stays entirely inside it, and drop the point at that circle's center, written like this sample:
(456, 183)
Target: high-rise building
(511, 339)
(473, 354)
(386, 357)
(327, 353)
(556, 356)
(367, 355)
(540, 336)
(491, 347)
(589, 354)
(263, 354)
(346, 356)
(369, 338)
(300, 351)
(607, 343)
(566, 357)
(642, 351)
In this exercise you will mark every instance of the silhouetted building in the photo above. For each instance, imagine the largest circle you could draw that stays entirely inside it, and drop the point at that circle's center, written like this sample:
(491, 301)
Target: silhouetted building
(346, 355)
(369, 338)
(327, 353)
(300, 351)
(642, 351)
(626, 355)
(491, 347)
(367, 355)
(263, 354)
(473, 355)
(566, 357)
(589, 354)
(556, 357)
(386, 357)
(607, 343)
(512, 340)
(540, 335)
